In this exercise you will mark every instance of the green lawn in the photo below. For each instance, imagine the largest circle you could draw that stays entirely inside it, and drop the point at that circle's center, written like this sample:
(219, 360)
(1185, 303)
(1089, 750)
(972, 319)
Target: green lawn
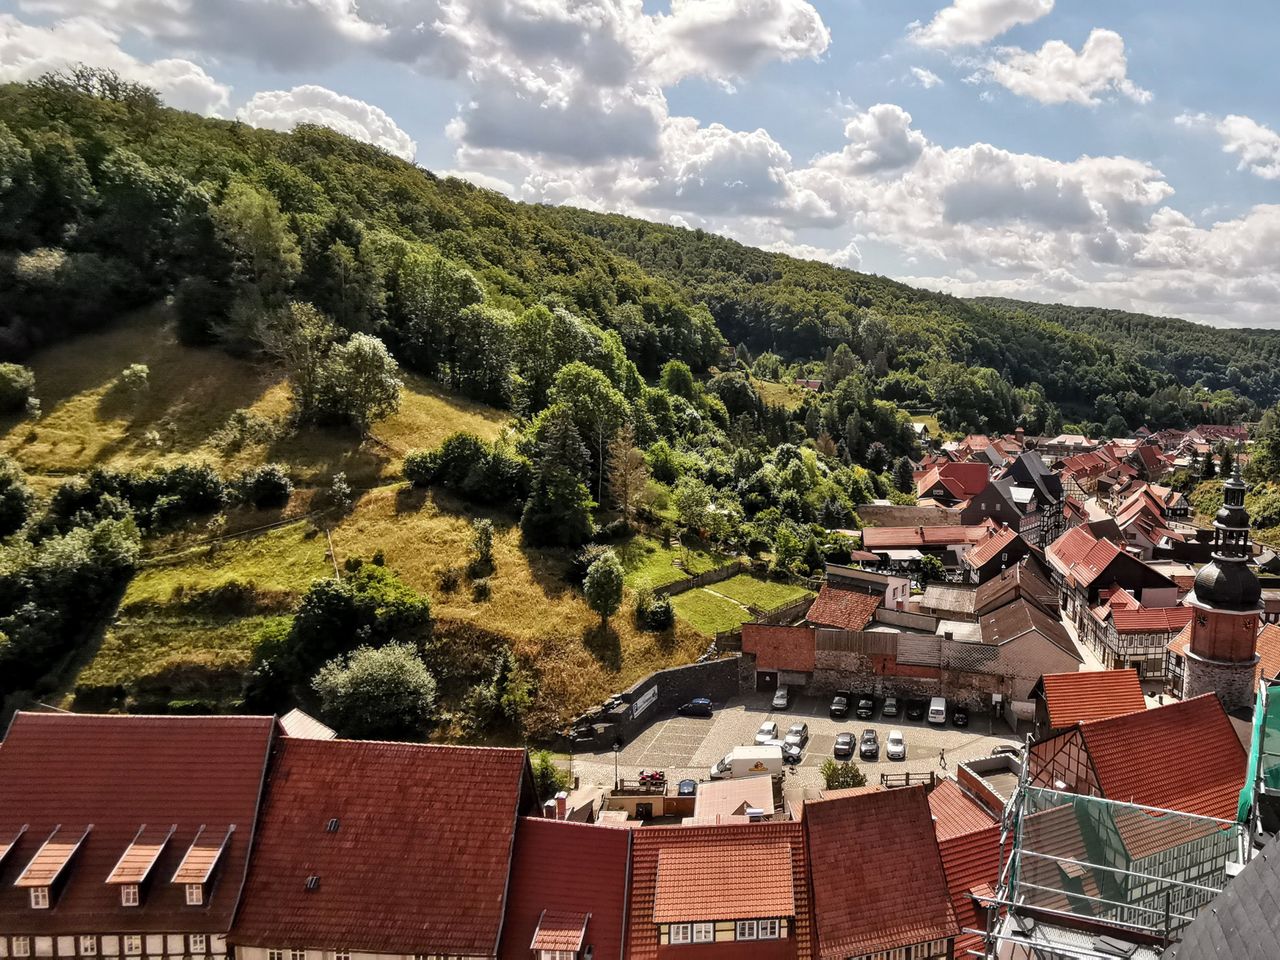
(761, 594)
(707, 613)
(649, 564)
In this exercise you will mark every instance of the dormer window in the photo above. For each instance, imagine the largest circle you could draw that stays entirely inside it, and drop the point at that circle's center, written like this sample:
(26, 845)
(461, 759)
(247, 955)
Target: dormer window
(39, 898)
(129, 895)
(195, 894)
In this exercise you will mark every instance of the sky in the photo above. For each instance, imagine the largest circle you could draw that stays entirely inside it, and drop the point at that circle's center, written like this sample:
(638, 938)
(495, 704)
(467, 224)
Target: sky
(1120, 154)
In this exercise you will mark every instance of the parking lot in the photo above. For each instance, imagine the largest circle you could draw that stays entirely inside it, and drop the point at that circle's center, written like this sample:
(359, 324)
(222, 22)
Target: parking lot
(686, 747)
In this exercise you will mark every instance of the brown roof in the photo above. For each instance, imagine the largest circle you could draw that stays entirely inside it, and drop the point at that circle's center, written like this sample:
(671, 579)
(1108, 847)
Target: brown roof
(893, 538)
(969, 841)
(843, 608)
(780, 843)
(136, 863)
(1133, 755)
(101, 779)
(1025, 579)
(878, 880)
(1091, 695)
(1269, 651)
(780, 648)
(955, 812)
(1019, 618)
(1151, 619)
(418, 860)
(566, 876)
(990, 547)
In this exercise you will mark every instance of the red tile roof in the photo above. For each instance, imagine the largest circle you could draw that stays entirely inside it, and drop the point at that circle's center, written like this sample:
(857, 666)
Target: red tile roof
(990, 546)
(1269, 651)
(1151, 619)
(559, 931)
(418, 862)
(780, 648)
(566, 868)
(892, 538)
(747, 879)
(878, 880)
(1080, 556)
(969, 841)
(843, 608)
(955, 812)
(1182, 756)
(119, 773)
(960, 480)
(784, 841)
(1091, 695)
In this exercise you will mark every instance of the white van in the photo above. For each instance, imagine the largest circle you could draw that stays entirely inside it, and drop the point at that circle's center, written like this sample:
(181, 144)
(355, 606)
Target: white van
(938, 710)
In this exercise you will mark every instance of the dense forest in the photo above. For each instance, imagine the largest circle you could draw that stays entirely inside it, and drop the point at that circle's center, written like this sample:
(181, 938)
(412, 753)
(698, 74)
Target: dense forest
(634, 360)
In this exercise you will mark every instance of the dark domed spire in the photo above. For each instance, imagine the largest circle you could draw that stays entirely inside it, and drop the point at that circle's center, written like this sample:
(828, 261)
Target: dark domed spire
(1227, 582)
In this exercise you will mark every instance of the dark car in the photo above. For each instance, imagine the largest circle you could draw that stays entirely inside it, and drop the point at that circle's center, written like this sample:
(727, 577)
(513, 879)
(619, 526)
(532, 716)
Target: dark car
(960, 717)
(687, 788)
(1006, 750)
(869, 746)
(890, 708)
(915, 709)
(844, 745)
(866, 708)
(698, 707)
(840, 704)
(792, 752)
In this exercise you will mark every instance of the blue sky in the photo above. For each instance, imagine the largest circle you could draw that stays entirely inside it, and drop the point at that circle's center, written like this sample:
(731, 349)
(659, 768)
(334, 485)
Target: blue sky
(1119, 154)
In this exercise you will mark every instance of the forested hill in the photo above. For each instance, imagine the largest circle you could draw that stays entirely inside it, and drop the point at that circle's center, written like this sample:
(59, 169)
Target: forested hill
(109, 201)
(1245, 359)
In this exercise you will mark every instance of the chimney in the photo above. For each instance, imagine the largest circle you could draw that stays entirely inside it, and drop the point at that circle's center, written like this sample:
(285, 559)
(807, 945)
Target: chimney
(948, 636)
(549, 809)
(562, 805)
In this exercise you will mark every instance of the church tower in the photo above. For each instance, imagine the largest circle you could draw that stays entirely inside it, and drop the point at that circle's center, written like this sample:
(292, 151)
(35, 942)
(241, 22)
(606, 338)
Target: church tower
(1222, 654)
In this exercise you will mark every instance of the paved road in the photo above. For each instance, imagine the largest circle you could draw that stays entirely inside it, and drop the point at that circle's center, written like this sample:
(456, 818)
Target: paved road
(688, 746)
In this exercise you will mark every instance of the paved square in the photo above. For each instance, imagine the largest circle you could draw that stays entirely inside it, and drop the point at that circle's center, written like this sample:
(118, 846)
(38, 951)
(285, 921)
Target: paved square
(686, 747)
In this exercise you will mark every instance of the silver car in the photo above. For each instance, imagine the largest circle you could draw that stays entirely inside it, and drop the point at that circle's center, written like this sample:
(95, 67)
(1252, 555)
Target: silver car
(782, 698)
(895, 748)
(768, 731)
(798, 734)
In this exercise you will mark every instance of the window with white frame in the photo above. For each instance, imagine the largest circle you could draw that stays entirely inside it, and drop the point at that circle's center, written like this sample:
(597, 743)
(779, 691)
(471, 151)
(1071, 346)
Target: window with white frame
(39, 898)
(557, 955)
(22, 946)
(704, 933)
(275, 955)
(681, 933)
(88, 946)
(133, 944)
(195, 894)
(746, 930)
(129, 895)
(297, 955)
(199, 944)
(342, 955)
(768, 929)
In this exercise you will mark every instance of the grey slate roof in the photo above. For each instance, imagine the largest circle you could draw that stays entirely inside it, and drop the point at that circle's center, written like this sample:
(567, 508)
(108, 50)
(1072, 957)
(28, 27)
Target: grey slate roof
(1242, 922)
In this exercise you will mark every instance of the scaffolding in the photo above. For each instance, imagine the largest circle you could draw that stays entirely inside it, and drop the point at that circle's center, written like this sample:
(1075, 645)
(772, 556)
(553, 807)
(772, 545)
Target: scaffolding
(1262, 778)
(1072, 863)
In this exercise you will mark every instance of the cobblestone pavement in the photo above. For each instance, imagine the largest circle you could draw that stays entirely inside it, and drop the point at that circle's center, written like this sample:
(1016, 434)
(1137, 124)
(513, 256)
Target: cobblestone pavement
(686, 747)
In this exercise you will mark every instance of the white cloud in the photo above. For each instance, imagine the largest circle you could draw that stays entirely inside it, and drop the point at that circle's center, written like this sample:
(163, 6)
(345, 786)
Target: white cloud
(926, 78)
(28, 51)
(1256, 144)
(285, 109)
(973, 22)
(1057, 74)
(880, 139)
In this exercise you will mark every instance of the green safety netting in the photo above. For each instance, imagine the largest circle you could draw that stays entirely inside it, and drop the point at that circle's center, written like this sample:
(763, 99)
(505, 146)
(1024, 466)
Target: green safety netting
(1264, 750)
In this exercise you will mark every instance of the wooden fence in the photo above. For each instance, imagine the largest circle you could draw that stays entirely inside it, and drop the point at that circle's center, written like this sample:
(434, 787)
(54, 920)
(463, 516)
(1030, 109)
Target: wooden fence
(785, 613)
(868, 643)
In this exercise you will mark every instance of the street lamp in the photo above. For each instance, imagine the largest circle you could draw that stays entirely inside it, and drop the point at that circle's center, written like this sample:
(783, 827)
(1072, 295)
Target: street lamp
(617, 749)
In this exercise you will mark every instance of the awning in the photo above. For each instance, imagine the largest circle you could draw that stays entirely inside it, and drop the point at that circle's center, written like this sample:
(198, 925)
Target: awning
(140, 856)
(903, 555)
(50, 860)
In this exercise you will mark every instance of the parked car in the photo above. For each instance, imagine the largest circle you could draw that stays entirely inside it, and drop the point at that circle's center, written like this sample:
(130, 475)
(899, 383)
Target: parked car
(792, 752)
(697, 707)
(1006, 750)
(798, 733)
(890, 708)
(869, 746)
(840, 703)
(768, 731)
(782, 698)
(895, 748)
(844, 746)
(960, 717)
(866, 708)
(938, 710)
(687, 788)
(915, 709)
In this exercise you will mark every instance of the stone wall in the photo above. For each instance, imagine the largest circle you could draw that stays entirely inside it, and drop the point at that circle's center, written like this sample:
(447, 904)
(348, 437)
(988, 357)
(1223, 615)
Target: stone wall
(1232, 682)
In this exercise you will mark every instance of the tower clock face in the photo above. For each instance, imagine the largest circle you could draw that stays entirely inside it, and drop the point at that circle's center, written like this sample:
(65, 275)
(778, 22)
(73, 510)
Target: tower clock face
(1201, 620)
(1248, 623)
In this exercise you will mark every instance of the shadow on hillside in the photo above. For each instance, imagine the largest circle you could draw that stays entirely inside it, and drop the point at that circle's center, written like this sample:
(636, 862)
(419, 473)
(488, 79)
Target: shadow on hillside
(603, 643)
(318, 453)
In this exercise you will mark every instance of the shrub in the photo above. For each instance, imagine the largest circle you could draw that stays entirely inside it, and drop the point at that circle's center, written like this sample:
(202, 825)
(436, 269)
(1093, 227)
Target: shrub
(243, 427)
(340, 494)
(661, 615)
(480, 590)
(135, 377)
(264, 486)
(17, 384)
(16, 497)
(421, 467)
(548, 779)
(841, 775)
(449, 579)
(603, 585)
(482, 543)
(384, 693)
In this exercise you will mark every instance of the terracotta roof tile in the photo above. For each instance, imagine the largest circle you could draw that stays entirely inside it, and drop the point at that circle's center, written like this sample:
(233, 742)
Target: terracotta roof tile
(567, 868)
(784, 841)
(1020, 617)
(119, 773)
(1091, 695)
(866, 851)
(1134, 754)
(989, 547)
(561, 930)
(971, 861)
(1269, 651)
(1151, 619)
(712, 880)
(843, 608)
(418, 862)
(893, 538)
(955, 812)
